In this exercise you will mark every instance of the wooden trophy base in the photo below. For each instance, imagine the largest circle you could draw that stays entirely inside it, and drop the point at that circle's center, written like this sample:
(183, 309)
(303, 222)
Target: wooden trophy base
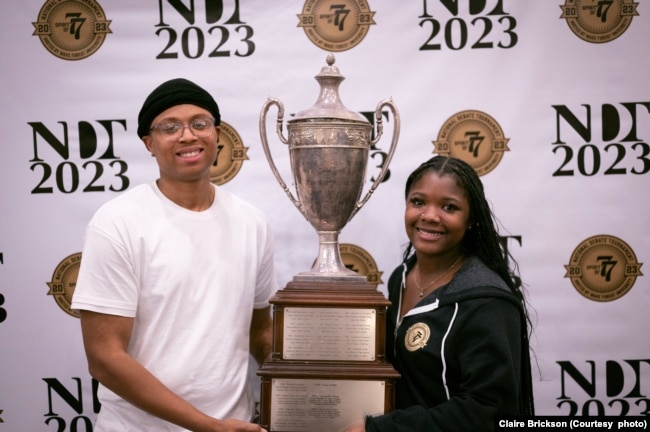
(327, 369)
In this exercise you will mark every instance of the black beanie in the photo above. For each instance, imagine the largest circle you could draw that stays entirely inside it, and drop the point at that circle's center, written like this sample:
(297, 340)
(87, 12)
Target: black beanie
(171, 93)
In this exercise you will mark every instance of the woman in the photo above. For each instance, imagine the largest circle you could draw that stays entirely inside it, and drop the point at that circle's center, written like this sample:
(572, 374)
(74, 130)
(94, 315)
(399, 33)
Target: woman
(457, 326)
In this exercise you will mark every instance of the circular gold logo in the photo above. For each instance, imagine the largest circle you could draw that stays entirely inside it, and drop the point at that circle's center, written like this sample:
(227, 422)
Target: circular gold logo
(230, 157)
(336, 25)
(417, 336)
(64, 281)
(474, 137)
(599, 21)
(360, 261)
(71, 29)
(603, 268)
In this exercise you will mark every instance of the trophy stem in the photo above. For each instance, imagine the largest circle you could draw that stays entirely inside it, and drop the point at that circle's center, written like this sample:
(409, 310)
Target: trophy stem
(329, 265)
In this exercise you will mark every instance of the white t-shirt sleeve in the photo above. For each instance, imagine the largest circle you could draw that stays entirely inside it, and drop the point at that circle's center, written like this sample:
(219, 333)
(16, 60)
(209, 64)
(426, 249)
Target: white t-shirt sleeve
(266, 284)
(106, 281)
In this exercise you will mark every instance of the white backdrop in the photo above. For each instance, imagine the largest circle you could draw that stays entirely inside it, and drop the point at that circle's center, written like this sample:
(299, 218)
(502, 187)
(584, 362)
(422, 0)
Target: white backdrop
(564, 103)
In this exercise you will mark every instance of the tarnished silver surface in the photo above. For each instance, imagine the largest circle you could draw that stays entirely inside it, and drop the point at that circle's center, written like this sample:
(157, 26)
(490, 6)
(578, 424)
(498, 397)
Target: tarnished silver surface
(328, 149)
(300, 405)
(342, 334)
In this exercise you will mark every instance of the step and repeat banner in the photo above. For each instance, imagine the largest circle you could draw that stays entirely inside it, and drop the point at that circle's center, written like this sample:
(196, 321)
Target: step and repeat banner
(549, 100)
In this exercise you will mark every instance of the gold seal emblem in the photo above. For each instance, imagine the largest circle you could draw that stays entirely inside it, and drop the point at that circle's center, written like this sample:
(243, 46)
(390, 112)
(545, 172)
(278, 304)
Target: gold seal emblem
(64, 281)
(359, 260)
(603, 268)
(71, 29)
(230, 157)
(474, 137)
(599, 21)
(417, 336)
(336, 25)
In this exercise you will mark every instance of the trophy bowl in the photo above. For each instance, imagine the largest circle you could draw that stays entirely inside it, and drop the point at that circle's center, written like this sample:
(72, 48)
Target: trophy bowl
(328, 152)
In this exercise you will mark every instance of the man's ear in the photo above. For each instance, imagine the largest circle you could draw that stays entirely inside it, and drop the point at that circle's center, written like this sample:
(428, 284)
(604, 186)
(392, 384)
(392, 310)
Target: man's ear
(148, 143)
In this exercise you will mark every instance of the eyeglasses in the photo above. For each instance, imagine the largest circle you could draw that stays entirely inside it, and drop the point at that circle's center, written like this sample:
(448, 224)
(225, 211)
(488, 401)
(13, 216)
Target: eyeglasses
(173, 130)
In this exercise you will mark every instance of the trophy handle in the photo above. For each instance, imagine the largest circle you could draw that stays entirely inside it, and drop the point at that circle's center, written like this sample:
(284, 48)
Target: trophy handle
(380, 130)
(267, 151)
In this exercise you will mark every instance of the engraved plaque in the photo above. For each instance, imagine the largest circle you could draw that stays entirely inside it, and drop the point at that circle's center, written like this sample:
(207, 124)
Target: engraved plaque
(343, 334)
(300, 405)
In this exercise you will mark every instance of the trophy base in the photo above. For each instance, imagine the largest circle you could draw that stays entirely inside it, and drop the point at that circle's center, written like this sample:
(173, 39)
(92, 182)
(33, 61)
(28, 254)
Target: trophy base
(328, 368)
(334, 277)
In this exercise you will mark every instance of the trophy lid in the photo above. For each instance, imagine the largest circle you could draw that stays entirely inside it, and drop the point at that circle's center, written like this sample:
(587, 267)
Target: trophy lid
(329, 103)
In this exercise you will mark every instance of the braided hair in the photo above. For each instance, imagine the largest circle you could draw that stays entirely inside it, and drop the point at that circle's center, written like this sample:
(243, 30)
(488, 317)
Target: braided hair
(482, 240)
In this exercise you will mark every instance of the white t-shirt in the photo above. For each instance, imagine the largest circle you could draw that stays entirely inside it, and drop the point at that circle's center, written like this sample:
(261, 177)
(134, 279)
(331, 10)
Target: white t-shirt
(191, 280)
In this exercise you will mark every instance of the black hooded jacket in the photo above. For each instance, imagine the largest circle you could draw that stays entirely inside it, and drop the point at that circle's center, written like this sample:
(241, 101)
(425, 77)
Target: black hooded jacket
(459, 353)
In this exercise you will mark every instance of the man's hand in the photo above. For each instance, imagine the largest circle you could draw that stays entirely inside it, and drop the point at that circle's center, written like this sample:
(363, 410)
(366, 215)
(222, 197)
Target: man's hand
(233, 425)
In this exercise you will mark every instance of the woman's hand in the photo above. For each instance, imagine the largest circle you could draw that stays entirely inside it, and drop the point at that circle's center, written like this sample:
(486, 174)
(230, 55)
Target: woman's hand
(359, 427)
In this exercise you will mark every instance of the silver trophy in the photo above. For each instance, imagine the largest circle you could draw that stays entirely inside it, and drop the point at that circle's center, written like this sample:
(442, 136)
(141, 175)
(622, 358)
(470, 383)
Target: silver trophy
(328, 150)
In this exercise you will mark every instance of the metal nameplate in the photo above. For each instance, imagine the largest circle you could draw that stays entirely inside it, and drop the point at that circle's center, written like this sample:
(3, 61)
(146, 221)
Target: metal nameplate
(300, 405)
(343, 334)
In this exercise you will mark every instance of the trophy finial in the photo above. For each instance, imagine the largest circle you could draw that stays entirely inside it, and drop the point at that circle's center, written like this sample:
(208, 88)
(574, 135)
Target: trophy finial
(329, 105)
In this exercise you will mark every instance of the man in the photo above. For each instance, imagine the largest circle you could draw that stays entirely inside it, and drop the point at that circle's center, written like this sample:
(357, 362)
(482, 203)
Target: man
(174, 284)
